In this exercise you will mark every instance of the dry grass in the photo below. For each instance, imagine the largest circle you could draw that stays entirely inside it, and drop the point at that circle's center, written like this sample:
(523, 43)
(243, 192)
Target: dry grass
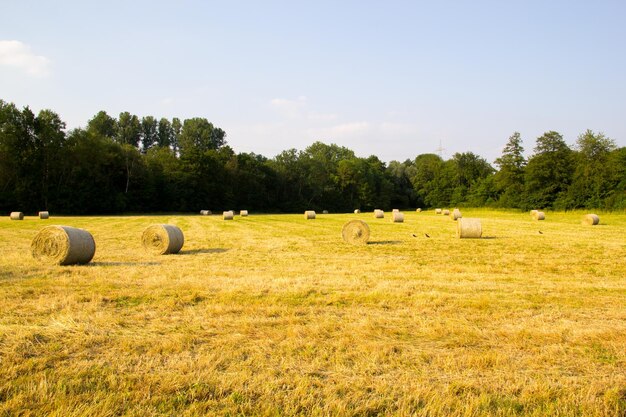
(274, 315)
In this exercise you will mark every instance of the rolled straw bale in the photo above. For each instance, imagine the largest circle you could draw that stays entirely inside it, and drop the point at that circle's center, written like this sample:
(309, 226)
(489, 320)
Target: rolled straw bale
(379, 214)
(17, 215)
(437, 211)
(397, 217)
(228, 215)
(468, 228)
(63, 245)
(446, 212)
(162, 239)
(418, 210)
(357, 211)
(243, 213)
(309, 215)
(456, 214)
(591, 219)
(395, 211)
(205, 212)
(356, 232)
(325, 212)
(44, 215)
(533, 213)
(540, 215)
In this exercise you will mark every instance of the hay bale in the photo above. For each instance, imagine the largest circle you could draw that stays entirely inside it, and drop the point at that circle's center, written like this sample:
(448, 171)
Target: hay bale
(162, 239)
(243, 213)
(397, 217)
(418, 210)
(591, 219)
(446, 212)
(357, 211)
(456, 214)
(205, 212)
(437, 211)
(63, 245)
(44, 215)
(356, 232)
(379, 214)
(309, 215)
(325, 212)
(533, 213)
(539, 215)
(16, 215)
(468, 228)
(228, 215)
(395, 211)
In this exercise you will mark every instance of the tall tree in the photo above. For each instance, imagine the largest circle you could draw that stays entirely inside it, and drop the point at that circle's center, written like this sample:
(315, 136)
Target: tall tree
(509, 180)
(548, 172)
(198, 135)
(129, 130)
(102, 124)
(165, 132)
(149, 133)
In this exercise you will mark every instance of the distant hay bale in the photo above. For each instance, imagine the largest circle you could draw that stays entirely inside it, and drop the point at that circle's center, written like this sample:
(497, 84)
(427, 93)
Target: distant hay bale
(17, 215)
(309, 215)
(539, 215)
(397, 217)
(205, 212)
(418, 210)
(325, 212)
(356, 232)
(446, 212)
(162, 239)
(44, 215)
(379, 214)
(243, 213)
(533, 212)
(456, 214)
(591, 219)
(63, 245)
(357, 211)
(228, 215)
(395, 211)
(438, 211)
(469, 228)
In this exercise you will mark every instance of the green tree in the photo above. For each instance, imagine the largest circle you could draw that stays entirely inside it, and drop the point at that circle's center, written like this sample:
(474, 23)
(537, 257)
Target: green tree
(149, 133)
(102, 124)
(129, 130)
(164, 133)
(509, 180)
(548, 172)
(198, 135)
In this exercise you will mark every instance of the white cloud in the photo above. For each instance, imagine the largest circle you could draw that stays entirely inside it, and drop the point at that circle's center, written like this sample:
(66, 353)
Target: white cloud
(387, 128)
(19, 55)
(341, 131)
(289, 108)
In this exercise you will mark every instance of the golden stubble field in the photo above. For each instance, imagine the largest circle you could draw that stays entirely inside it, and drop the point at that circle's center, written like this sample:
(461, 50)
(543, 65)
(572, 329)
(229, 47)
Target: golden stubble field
(275, 315)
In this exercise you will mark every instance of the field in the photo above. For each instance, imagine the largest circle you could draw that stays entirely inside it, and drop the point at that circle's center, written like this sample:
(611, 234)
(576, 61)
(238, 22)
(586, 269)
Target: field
(275, 315)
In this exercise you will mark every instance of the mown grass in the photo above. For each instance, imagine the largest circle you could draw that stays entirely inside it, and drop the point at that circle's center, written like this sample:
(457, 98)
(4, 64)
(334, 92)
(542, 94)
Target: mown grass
(274, 315)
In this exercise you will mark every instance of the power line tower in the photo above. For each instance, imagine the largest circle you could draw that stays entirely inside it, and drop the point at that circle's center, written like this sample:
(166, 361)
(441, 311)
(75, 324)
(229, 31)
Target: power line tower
(440, 150)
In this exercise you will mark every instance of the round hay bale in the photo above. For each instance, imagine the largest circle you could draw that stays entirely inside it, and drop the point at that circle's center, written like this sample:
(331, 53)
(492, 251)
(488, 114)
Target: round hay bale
(243, 213)
(63, 245)
(357, 211)
(205, 212)
(356, 232)
(456, 214)
(162, 239)
(397, 217)
(325, 212)
(309, 215)
(395, 211)
(379, 214)
(468, 228)
(437, 211)
(540, 215)
(228, 215)
(17, 215)
(533, 213)
(591, 219)
(44, 215)
(446, 212)
(418, 210)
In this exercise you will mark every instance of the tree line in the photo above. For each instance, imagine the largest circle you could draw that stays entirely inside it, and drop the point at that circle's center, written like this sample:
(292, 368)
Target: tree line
(132, 164)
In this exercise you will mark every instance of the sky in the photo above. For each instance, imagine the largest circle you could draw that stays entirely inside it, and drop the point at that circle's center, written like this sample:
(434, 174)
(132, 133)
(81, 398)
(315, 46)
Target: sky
(393, 79)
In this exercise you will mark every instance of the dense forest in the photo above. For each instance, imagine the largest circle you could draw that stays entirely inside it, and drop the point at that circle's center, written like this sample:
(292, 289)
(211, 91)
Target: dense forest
(133, 164)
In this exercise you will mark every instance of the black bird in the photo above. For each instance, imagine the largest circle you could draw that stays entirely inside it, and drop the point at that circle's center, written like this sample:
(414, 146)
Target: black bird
(426, 234)
(414, 235)
(540, 232)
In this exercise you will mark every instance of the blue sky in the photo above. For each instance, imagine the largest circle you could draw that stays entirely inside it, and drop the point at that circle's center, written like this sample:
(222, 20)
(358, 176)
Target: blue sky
(391, 79)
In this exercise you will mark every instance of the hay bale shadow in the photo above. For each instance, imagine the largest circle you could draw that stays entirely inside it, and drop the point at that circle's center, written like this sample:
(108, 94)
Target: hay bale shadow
(385, 242)
(123, 263)
(198, 251)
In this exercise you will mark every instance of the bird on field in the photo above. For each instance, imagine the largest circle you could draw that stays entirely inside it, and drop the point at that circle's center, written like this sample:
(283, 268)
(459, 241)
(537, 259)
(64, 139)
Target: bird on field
(540, 232)
(426, 234)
